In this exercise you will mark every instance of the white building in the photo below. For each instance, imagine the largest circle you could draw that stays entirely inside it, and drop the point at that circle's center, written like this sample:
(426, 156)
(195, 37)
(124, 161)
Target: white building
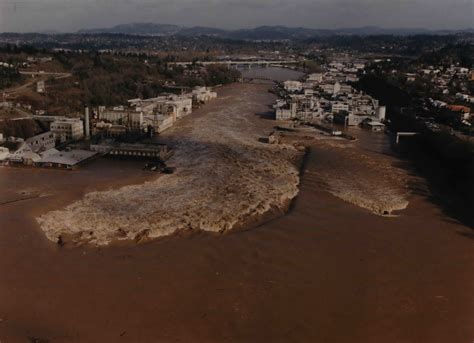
(375, 126)
(285, 114)
(292, 86)
(302, 107)
(343, 88)
(356, 119)
(182, 106)
(315, 77)
(203, 95)
(331, 88)
(40, 87)
(68, 129)
(159, 122)
(381, 113)
(352, 78)
(65, 159)
(128, 118)
(4, 153)
(42, 142)
(337, 107)
(18, 151)
(177, 106)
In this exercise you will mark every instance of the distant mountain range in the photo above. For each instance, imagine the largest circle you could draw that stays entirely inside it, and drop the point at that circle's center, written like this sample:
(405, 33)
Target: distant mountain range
(259, 33)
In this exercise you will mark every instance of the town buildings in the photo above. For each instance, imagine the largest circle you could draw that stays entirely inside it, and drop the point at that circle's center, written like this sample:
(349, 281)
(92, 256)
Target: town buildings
(153, 115)
(40, 151)
(327, 96)
(138, 117)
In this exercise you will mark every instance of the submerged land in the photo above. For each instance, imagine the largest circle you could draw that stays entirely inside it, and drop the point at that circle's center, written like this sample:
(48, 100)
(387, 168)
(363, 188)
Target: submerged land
(310, 275)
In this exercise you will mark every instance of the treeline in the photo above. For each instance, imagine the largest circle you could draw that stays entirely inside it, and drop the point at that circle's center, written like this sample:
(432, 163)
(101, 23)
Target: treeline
(389, 93)
(446, 161)
(176, 45)
(19, 49)
(108, 79)
(408, 45)
(21, 128)
(219, 75)
(9, 77)
(112, 79)
(451, 54)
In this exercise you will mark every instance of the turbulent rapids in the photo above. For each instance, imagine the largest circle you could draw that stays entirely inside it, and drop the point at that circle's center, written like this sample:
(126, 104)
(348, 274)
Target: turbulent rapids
(224, 177)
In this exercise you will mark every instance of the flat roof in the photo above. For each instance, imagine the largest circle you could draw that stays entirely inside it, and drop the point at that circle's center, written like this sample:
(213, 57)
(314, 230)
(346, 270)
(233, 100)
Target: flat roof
(69, 158)
(375, 123)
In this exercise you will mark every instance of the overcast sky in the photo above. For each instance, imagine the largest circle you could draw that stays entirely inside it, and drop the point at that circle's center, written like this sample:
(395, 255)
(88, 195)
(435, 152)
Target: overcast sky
(72, 15)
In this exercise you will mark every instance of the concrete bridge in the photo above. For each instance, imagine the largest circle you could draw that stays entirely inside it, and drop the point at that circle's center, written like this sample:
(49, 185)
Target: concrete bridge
(265, 63)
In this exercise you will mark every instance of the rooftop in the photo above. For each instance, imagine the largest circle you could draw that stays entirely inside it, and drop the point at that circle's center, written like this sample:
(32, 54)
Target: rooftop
(69, 158)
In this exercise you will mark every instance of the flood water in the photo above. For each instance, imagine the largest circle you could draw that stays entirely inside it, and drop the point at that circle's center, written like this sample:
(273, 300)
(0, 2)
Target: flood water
(327, 271)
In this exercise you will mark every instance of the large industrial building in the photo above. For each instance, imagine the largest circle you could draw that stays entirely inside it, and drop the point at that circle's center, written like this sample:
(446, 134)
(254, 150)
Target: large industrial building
(68, 129)
(152, 115)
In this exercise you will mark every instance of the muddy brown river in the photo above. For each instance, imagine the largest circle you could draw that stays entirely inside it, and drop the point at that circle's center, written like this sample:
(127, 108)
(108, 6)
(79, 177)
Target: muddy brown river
(328, 271)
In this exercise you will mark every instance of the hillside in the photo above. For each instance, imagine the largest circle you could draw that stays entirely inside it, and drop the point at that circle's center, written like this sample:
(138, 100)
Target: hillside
(258, 33)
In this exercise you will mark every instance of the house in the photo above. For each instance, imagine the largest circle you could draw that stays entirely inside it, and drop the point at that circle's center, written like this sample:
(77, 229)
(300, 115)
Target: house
(438, 103)
(410, 77)
(337, 107)
(286, 113)
(315, 77)
(464, 97)
(292, 86)
(375, 126)
(40, 87)
(331, 88)
(463, 110)
(352, 78)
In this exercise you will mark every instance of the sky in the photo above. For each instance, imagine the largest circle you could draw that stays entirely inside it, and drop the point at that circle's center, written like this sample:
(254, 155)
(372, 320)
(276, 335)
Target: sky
(72, 15)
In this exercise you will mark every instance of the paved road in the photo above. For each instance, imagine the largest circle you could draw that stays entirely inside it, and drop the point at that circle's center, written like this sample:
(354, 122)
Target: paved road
(38, 77)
